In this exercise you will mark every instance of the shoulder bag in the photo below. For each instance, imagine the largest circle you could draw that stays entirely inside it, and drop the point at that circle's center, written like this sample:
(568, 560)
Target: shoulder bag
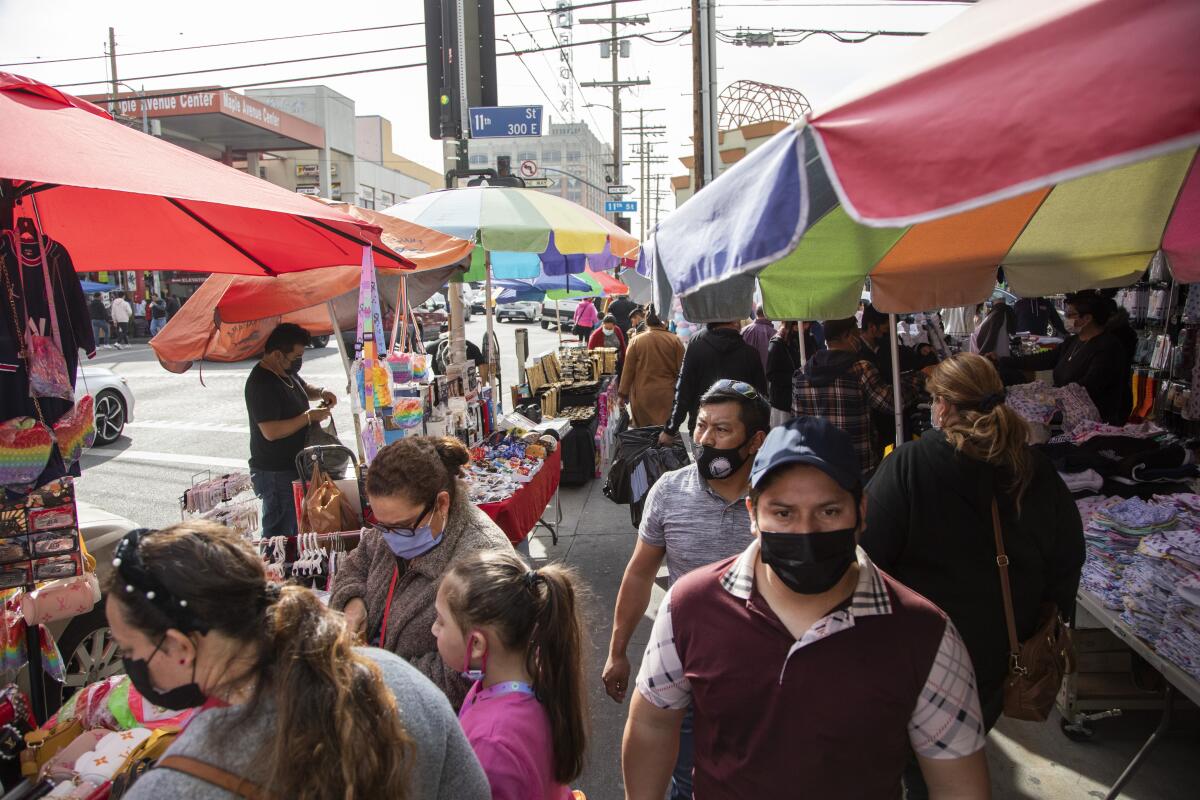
(1036, 666)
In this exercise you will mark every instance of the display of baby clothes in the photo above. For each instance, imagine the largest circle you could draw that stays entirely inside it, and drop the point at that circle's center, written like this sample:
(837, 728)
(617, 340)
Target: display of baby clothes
(25, 291)
(1112, 535)
(1161, 561)
(1038, 403)
(1088, 480)
(1179, 636)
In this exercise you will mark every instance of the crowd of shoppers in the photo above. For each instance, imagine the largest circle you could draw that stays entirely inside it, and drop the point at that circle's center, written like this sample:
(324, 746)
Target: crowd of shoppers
(799, 570)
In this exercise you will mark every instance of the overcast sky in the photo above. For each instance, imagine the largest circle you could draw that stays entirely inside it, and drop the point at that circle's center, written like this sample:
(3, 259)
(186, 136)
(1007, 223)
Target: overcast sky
(819, 67)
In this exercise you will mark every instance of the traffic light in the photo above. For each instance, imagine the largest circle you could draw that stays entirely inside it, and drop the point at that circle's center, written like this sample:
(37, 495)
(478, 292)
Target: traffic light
(443, 62)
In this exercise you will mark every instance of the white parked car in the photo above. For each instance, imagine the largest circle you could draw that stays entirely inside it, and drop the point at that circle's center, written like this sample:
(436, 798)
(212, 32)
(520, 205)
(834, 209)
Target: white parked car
(113, 399)
(525, 310)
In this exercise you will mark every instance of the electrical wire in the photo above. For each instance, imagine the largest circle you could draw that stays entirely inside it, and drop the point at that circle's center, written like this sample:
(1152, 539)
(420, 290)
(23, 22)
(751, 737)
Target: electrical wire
(571, 70)
(249, 66)
(420, 23)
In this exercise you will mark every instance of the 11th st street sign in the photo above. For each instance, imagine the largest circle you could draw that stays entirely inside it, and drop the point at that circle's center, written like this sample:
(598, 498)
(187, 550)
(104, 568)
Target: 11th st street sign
(620, 206)
(496, 122)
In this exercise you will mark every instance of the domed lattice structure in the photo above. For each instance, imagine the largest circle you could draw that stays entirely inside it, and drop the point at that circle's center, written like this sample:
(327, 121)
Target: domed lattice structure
(748, 102)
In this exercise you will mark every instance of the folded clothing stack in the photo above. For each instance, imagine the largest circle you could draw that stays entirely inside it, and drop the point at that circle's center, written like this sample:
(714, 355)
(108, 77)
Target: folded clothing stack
(1161, 561)
(1179, 639)
(1112, 534)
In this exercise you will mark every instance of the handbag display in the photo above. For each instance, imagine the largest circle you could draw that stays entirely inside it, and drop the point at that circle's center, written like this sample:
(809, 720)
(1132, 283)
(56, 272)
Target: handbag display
(1036, 666)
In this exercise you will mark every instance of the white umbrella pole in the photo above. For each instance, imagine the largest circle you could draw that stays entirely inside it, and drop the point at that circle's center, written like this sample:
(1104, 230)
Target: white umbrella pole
(558, 323)
(341, 346)
(803, 347)
(899, 404)
(489, 315)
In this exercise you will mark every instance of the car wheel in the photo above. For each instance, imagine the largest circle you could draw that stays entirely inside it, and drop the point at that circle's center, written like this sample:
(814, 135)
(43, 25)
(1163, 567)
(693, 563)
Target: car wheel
(319, 342)
(110, 417)
(89, 654)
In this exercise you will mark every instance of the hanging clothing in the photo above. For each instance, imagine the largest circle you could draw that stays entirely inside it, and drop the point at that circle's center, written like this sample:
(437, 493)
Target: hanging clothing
(29, 297)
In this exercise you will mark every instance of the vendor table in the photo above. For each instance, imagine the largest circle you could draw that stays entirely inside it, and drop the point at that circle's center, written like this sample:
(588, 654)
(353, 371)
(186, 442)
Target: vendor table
(1176, 680)
(519, 514)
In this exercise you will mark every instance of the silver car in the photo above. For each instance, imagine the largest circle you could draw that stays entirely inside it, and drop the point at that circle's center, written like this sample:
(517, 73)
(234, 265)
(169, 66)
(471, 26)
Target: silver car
(113, 399)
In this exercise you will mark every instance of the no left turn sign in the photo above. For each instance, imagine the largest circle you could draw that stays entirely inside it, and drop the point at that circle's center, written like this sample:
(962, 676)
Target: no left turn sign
(528, 169)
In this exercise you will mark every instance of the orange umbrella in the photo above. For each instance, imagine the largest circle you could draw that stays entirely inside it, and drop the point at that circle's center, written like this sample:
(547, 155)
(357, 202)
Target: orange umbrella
(608, 283)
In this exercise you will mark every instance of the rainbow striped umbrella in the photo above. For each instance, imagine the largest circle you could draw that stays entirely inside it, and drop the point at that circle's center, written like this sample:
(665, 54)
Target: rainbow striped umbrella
(507, 220)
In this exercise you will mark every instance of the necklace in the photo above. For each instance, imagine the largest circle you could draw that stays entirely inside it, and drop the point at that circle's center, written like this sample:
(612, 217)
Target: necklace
(286, 382)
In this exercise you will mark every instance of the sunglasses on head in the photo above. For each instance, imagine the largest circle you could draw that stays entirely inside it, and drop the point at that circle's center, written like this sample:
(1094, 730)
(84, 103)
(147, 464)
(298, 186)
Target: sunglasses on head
(741, 387)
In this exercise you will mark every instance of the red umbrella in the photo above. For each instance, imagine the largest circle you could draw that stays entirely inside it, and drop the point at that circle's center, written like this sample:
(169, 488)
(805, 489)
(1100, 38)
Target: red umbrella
(119, 199)
(608, 283)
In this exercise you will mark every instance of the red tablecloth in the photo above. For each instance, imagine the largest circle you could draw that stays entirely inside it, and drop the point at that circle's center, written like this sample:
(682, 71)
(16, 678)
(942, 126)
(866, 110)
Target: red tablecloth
(517, 515)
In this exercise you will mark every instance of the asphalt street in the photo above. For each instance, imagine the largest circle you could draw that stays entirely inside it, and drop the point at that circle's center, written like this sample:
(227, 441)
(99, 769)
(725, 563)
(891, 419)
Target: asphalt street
(186, 426)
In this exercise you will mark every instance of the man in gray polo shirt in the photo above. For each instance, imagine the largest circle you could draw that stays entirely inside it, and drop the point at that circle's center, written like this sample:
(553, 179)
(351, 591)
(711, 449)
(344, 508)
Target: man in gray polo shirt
(693, 517)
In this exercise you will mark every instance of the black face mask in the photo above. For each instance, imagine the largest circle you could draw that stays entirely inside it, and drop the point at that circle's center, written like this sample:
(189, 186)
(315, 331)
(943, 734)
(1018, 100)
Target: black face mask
(189, 695)
(809, 563)
(295, 365)
(716, 463)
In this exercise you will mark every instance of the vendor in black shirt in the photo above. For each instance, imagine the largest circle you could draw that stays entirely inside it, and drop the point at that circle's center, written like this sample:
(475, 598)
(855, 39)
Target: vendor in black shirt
(1091, 356)
(277, 401)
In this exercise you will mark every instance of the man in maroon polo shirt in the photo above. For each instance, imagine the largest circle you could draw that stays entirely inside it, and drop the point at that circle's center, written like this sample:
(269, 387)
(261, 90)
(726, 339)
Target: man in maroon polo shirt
(812, 674)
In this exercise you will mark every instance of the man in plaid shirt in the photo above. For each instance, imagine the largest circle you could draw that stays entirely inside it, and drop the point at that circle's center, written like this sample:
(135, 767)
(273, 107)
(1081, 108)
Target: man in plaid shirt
(811, 673)
(839, 385)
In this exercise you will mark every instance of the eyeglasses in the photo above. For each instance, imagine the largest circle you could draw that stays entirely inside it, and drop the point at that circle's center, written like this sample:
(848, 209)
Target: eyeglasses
(741, 387)
(405, 530)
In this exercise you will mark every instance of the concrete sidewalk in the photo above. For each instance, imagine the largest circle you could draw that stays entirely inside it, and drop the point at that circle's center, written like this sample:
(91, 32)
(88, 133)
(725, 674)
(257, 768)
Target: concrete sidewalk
(1027, 760)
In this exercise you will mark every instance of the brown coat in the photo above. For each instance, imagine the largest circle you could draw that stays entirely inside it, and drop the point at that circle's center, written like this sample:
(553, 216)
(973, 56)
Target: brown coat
(367, 573)
(652, 362)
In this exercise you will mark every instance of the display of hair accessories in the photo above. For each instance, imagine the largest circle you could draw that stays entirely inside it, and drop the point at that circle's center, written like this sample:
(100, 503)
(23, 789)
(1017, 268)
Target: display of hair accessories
(241, 515)
(208, 494)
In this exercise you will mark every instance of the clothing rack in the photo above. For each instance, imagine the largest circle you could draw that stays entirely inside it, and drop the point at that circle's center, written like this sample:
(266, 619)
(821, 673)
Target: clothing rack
(207, 495)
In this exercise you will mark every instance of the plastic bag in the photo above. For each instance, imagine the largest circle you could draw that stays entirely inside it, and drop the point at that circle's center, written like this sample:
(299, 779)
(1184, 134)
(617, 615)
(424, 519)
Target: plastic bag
(325, 508)
(48, 376)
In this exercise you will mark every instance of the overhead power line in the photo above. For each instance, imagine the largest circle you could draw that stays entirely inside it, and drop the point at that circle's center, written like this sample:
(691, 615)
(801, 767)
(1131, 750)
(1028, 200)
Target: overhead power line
(182, 48)
(249, 66)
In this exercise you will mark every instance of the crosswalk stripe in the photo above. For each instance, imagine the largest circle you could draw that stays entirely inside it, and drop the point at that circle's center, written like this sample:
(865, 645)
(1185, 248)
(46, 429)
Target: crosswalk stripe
(203, 427)
(150, 456)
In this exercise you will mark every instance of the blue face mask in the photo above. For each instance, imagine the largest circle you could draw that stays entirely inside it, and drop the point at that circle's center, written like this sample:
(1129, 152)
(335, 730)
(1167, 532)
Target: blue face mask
(408, 543)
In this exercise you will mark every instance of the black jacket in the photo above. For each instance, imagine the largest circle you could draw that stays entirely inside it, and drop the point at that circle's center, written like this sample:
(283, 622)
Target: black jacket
(710, 356)
(783, 359)
(929, 525)
(1100, 365)
(621, 308)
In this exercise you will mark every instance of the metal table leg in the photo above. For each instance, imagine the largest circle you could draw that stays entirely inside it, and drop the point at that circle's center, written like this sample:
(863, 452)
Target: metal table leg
(558, 517)
(1136, 763)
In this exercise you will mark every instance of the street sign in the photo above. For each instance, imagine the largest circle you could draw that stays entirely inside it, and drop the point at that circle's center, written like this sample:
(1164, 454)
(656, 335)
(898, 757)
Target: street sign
(528, 169)
(495, 122)
(620, 188)
(538, 183)
(620, 206)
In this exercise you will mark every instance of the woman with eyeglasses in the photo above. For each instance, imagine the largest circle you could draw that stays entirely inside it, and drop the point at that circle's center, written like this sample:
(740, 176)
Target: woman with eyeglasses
(425, 522)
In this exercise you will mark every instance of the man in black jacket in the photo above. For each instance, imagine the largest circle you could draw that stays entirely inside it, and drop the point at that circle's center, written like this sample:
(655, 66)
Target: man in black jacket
(621, 308)
(718, 352)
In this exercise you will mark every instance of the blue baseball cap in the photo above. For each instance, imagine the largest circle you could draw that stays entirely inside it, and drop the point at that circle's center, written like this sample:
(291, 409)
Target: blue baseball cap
(813, 441)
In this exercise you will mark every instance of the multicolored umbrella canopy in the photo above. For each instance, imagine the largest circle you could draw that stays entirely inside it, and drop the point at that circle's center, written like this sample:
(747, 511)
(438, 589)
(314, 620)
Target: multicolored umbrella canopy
(508, 220)
(1054, 139)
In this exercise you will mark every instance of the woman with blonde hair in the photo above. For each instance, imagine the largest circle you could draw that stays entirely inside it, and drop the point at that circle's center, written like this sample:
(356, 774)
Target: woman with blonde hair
(929, 518)
(290, 707)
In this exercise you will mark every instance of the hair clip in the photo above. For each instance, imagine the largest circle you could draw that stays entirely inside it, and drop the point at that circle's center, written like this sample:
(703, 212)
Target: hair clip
(531, 578)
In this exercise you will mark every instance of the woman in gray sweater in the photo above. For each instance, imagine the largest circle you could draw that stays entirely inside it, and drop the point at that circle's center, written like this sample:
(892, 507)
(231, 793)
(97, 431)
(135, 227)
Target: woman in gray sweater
(425, 522)
(289, 706)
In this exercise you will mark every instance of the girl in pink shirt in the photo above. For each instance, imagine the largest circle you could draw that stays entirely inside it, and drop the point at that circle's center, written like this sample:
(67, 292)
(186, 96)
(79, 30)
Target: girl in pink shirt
(517, 633)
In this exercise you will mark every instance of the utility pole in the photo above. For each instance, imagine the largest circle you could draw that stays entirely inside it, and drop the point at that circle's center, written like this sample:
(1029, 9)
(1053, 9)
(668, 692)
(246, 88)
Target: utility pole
(616, 48)
(112, 66)
(704, 95)
(645, 158)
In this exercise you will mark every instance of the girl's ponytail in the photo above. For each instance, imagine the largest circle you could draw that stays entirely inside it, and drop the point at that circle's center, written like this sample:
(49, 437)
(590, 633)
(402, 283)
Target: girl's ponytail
(536, 611)
(555, 659)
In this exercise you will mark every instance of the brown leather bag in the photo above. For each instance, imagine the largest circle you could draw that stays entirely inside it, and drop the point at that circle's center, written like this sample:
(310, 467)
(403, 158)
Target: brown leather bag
(325, 508)
(1037, 666)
